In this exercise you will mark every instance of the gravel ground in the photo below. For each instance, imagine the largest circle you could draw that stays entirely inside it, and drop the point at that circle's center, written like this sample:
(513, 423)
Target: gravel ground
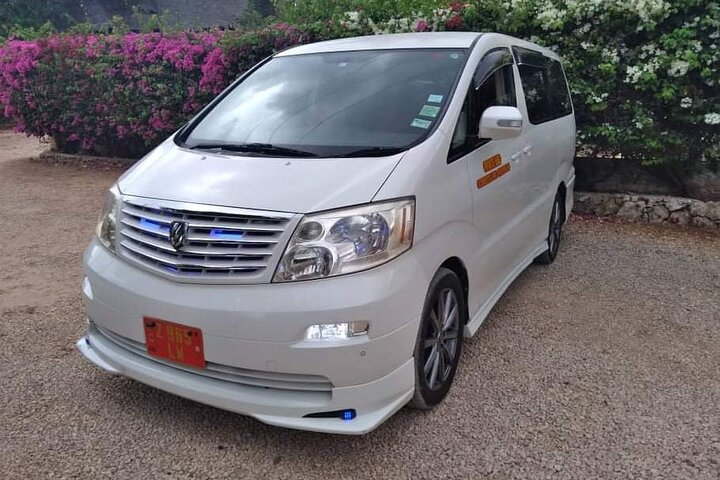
(603, 365)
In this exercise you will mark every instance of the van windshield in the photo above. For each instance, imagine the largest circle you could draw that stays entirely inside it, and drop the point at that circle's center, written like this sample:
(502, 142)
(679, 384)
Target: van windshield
(361, 103)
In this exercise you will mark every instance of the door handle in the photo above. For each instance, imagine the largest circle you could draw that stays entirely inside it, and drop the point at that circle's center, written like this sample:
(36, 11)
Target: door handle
(527, 149)
(515, 157)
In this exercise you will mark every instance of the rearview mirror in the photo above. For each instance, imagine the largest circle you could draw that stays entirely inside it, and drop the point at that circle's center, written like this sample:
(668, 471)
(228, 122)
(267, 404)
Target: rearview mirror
(500, 122)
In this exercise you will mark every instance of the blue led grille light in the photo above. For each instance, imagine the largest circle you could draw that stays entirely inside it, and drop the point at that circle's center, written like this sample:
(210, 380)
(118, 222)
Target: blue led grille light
(154, 225)
(348, 414)
(226, 235)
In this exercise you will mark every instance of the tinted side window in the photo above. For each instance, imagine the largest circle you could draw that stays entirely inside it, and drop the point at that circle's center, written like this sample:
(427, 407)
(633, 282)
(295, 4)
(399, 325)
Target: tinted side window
(536, 96)
(544, 85)
(493, 85)
(560, 104)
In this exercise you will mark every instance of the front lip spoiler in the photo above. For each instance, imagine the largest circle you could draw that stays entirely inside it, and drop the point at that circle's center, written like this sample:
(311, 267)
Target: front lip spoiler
(85, 347)
(216, 393)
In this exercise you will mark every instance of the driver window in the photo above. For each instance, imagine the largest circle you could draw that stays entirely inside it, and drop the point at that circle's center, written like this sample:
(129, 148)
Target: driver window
(493, 85)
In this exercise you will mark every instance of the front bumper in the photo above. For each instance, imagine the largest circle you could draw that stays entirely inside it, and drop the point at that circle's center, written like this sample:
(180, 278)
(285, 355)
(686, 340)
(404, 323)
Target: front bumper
(374, 401)
(259, 329)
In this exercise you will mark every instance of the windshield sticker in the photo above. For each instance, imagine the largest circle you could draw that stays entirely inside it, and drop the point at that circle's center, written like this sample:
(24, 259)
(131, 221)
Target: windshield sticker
(420, 123)
(429, 111)
(435, 99)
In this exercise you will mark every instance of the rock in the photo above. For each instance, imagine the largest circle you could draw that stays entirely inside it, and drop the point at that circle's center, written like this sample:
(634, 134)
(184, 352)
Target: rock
(674, 203)
(702, 222)
(681, 217)
(601, 204)
(713, 211)
(699, 209)
(658, 214)
(582, 204)
(607, 206)
(631, 211)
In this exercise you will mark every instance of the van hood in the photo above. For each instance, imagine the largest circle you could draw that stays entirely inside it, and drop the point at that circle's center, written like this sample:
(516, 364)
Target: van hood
(297, 185)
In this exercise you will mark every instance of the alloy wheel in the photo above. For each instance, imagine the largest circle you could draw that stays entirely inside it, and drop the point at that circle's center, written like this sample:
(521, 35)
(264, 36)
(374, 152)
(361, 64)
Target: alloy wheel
(441, 339)
(555, 228)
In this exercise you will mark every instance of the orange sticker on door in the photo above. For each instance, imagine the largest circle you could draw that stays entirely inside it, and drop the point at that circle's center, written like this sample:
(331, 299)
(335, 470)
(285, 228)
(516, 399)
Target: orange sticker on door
(492, 163)
(492, 176)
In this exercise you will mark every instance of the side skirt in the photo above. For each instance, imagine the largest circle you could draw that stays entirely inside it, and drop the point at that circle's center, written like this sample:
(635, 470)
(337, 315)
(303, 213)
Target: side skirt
(477, 320)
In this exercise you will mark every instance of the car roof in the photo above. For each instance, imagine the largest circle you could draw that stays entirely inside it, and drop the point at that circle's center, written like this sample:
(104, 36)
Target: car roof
(389, 41)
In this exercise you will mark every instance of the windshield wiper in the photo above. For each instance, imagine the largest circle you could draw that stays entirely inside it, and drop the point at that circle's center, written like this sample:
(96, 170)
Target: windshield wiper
(262, 148)
(373, 152)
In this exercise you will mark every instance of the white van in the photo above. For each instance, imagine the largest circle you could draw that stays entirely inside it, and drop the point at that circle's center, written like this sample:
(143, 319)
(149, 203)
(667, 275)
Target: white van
(311, 249)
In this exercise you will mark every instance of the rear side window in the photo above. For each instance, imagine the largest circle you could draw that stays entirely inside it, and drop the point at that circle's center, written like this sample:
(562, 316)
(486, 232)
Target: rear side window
(544, 85)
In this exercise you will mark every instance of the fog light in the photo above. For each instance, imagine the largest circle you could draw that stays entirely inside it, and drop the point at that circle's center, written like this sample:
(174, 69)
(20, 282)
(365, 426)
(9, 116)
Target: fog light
(336, 331)
(347, 414)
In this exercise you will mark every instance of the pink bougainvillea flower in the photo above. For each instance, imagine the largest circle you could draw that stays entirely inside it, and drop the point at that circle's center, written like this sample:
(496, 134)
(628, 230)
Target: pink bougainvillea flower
(457, 7)
(125, 93)
(455, 22)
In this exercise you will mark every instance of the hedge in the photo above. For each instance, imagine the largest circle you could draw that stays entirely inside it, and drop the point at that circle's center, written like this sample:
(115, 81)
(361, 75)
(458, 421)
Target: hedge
(644, 73)
(120, 95)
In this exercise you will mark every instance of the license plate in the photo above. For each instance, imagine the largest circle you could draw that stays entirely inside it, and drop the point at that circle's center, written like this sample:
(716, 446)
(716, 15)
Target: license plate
(174, 342)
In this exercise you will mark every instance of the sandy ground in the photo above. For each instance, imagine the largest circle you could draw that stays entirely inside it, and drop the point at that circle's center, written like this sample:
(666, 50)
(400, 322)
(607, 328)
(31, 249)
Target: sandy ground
(603, 365)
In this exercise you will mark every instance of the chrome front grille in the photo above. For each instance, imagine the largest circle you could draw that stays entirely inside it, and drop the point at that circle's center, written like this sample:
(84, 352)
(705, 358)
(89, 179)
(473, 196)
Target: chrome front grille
(251, 378)
(224, 245)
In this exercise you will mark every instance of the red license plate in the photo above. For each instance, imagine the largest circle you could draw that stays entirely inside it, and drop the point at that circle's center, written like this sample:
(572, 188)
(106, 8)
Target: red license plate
(174, 342)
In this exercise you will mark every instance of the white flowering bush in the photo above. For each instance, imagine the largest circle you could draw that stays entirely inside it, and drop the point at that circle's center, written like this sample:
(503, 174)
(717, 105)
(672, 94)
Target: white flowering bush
(645, 74)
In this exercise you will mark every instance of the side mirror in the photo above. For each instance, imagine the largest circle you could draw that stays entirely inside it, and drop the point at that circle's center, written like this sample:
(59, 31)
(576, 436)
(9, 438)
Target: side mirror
(497, 123)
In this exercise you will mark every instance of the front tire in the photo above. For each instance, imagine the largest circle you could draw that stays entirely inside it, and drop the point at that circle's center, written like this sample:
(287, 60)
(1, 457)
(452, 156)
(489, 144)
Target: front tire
(439, 343)
(557, 219)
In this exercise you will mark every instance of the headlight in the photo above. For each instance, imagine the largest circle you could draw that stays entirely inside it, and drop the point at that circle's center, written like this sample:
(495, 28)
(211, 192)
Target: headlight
(347, 240)
(106, 230)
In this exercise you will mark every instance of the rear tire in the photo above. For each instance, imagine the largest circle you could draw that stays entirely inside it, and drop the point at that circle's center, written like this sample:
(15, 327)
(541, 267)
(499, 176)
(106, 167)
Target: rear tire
(557, 219)
(439, 342)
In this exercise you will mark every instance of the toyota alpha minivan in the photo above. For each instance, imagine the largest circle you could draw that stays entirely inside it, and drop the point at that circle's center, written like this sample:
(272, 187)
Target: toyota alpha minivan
(311, 248)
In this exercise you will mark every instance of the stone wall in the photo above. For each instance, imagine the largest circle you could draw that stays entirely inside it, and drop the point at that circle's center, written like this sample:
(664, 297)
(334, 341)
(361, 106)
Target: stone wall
(649, 208)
